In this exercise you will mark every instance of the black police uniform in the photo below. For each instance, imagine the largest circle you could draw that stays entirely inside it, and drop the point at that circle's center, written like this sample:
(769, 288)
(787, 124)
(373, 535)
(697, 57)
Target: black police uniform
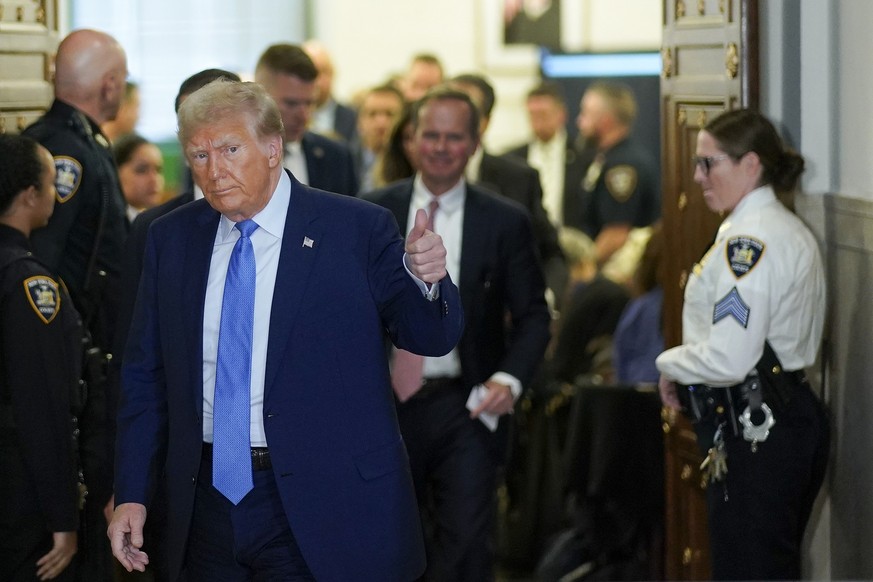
(84, 244)
(620, 186)
(40, 366)
(90, 205)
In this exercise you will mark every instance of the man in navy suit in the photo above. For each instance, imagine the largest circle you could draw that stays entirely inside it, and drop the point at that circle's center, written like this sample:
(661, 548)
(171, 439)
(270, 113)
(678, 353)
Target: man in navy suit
(289, 75)
(455, 422)
(331, 495)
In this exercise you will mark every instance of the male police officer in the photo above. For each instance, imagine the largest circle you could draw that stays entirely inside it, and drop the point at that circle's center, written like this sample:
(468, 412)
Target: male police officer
(84, 239)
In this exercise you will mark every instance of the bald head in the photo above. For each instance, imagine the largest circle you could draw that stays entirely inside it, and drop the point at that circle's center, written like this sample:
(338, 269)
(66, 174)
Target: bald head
(90, 73)
(321, 58)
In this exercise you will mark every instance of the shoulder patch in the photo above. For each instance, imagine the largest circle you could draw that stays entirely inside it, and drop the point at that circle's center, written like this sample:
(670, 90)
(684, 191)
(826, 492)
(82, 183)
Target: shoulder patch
(621, 181)
(742, 254)
(42, 293)
(69, 177)
(732, 305)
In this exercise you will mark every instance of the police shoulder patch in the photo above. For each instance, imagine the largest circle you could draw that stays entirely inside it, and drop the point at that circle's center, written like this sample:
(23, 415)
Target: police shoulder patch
(742, 254)
(69, 177)
(44, 297)
(621, 181)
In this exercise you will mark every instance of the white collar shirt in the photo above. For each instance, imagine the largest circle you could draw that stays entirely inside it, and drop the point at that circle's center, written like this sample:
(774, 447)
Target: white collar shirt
(267, 244)
(448, 223)
(548, 157)
(295, 160)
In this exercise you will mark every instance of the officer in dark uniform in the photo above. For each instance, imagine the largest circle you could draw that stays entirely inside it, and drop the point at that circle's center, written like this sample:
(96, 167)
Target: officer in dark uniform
(40, 366)
(84, 242)
(620, 188)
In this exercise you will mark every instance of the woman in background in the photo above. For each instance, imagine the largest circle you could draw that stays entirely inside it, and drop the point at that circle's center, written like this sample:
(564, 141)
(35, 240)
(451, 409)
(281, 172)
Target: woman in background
(140, 166)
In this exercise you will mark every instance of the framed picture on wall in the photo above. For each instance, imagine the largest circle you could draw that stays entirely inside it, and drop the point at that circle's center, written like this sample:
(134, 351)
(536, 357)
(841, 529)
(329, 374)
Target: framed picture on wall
(513, 31)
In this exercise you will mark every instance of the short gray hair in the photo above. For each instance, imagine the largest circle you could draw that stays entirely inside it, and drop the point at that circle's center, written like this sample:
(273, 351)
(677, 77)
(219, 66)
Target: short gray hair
(223, 98)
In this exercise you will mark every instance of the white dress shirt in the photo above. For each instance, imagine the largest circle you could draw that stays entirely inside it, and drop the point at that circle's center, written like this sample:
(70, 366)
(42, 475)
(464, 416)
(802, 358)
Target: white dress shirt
(295, 160)
(449, 224)
(762, 280)
(548, 157)
(267, 244)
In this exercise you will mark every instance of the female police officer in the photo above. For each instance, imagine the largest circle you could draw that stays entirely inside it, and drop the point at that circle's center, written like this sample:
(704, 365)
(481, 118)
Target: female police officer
(40, 363)
(754, 303)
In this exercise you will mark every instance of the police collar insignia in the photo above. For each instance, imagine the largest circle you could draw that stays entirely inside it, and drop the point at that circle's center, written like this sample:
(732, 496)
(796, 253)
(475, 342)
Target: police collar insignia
(743, 253)
(42, 293)
(731, 305)
(621, 181)
(69, 177)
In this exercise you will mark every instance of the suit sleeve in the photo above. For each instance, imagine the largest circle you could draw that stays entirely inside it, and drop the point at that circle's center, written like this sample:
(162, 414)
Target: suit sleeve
(142, 412)
(526, 303)
(430, 328)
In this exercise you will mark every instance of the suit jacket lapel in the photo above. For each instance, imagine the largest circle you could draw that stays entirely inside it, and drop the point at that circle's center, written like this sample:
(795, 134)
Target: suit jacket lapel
(398, 203)
(300, 247)
(473, 242)
(198, 255)
(314, 157)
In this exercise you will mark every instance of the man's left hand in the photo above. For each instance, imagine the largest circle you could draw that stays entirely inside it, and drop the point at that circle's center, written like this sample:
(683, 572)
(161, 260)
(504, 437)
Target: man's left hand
(425, 251)
(498, 401)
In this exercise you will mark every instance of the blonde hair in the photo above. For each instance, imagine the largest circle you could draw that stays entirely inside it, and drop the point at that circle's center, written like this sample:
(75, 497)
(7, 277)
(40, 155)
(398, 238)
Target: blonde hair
(223, 98)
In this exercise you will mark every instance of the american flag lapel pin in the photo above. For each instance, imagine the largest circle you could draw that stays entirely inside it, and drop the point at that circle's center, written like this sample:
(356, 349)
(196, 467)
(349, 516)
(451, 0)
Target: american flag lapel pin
(307, 242)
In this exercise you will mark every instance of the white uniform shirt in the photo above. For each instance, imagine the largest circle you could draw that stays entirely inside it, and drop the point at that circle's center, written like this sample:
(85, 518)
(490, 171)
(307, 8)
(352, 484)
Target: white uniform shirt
(761, 280)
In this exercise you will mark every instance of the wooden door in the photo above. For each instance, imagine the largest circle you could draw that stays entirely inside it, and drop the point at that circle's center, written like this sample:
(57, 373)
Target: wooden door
(28, 40)
(710, 65)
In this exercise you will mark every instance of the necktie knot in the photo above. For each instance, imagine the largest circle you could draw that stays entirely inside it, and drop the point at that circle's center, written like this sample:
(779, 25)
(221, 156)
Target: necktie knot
(246, 227)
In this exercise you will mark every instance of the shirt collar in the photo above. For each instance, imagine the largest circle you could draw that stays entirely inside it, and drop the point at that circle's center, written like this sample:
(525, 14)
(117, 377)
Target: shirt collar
(557, 142)
(749, 204)
(271, 218)
(450, 201)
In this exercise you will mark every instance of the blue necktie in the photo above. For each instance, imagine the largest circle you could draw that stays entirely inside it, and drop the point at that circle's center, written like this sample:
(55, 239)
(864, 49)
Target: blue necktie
(231, 453)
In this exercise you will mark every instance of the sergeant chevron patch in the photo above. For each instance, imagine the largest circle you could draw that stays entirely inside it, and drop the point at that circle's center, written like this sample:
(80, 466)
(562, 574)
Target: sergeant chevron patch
(731, 305)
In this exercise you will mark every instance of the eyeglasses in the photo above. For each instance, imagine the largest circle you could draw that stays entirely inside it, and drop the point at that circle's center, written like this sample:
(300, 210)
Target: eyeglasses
(705, 163)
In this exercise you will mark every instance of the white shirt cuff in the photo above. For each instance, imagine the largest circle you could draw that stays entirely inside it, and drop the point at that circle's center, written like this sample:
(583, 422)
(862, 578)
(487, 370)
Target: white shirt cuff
(431, 291)
(510, 380)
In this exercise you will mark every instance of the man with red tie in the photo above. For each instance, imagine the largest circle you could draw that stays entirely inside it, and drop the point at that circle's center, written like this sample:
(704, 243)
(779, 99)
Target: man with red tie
(454, 415)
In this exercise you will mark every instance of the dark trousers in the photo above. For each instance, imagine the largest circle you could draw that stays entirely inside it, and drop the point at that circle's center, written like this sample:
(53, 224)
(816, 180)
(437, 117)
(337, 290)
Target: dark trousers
(758, 514)
(454, 467)
(248, 541)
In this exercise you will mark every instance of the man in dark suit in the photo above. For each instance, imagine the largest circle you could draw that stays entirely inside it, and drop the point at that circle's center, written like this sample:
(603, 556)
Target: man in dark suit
(455, 422)
(321, 487)
(553, 153)
(288, 74)
(331, 118)
(514, 179)
(131, 270)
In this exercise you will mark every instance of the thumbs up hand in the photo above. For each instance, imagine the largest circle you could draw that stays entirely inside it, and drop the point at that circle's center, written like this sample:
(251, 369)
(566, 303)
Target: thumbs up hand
(425, 251)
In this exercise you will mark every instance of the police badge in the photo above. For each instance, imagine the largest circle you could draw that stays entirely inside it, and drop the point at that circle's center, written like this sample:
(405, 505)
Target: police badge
(69, 176)
(42, 293)
(621, 181)
(742, 254)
